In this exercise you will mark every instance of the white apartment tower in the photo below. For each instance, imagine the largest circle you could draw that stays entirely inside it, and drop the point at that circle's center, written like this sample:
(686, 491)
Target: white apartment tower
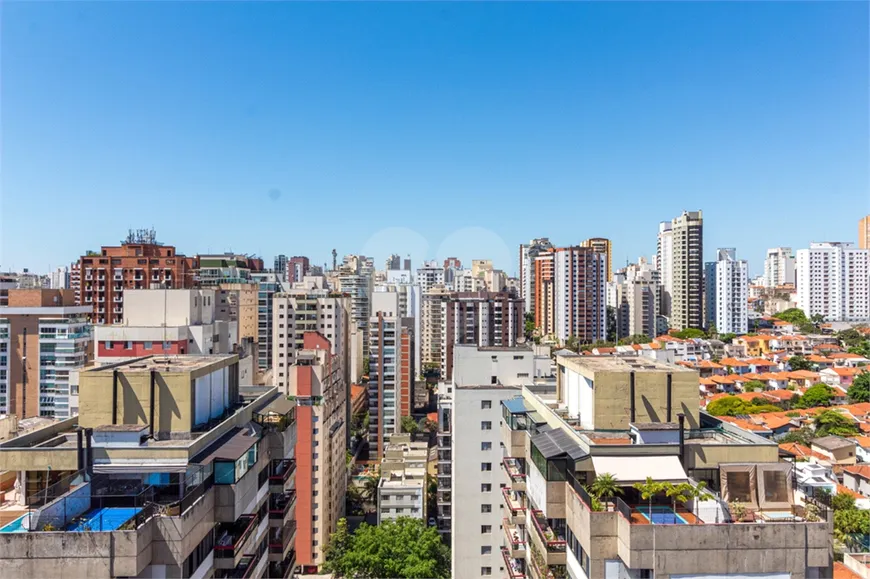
(664, 265)
(430, 275)
(528, 253)
(832, 281)
(687, 271)
(778, 267)
(308, 307)
(732, 293)
(580, 303)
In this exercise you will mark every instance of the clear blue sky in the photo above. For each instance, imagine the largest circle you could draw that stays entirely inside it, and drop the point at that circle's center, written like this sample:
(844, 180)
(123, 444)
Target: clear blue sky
(427, 128)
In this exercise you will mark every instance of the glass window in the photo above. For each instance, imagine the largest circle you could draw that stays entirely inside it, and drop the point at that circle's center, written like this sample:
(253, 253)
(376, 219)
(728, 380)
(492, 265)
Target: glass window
(148, 345)
(224, 472)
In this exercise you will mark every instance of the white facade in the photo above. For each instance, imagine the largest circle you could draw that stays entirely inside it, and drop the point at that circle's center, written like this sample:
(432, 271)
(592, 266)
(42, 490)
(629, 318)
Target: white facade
(409, 305)
(779, 267)
(832, 281)
(300, 310)
(172, 307)
(474, 366)
(664, 265)
(430, 275)
(580, 298)
(60, 278)
(732, 293)
(477, 503)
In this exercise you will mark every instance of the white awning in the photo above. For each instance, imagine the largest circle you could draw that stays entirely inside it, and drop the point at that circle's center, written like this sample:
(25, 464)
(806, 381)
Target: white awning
(632, 469)
(135, 467)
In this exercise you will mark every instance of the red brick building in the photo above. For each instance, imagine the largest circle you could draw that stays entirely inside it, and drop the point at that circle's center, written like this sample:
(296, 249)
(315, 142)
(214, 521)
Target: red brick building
(138, 263)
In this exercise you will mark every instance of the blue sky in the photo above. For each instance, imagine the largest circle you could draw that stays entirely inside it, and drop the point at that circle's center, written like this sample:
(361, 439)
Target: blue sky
(430, 129)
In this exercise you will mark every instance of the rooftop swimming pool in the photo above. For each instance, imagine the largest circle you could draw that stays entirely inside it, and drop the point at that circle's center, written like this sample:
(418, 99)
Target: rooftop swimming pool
(96, 520)
(661, 515)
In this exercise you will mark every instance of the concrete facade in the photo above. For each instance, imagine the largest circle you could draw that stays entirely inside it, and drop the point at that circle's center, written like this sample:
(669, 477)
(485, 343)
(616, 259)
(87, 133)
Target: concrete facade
(833, 280)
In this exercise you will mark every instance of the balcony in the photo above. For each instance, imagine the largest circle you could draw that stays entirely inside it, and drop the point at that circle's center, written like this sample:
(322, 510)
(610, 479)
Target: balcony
(552, 546)
(118, 299)
(516, 472)
(514, 502)
(516, 539)
(515, 568)
(280, 472)
(284, 568)
(245, 569)
(231, 541)
(280, 505)
(281, 540)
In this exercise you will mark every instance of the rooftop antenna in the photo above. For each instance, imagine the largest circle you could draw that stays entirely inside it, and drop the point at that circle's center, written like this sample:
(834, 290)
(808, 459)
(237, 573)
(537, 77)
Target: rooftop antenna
(334, 257)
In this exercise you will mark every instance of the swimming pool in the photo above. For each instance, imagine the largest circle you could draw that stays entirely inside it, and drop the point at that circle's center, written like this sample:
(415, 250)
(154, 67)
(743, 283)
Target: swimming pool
(661, 515)
(105, 519)
(16, 526)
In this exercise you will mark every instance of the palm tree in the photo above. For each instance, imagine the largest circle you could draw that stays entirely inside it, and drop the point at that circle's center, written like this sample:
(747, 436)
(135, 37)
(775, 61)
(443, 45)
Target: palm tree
(605, 486)
(370, 488)
(680, 492)
(649, 489)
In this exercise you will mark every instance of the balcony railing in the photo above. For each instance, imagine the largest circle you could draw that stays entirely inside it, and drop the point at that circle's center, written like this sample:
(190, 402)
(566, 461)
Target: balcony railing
(514, 567)
(280, 505)
(514, 468)
(514, 504)
(514, 538)
(284, 568)
(243, 570)
(553, 543)
(231, 536)
(280, 537)
(281, 470)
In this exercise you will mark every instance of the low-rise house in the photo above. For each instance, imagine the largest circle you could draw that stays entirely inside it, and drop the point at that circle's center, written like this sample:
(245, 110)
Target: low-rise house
(862, 447)
(842, 376)
(857, 478)
(820, 362)
(848, 359)
(838, 450)
(735, 366)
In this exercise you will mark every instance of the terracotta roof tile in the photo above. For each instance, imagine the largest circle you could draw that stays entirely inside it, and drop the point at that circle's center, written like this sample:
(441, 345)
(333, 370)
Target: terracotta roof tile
(843, 572)
(859, 470)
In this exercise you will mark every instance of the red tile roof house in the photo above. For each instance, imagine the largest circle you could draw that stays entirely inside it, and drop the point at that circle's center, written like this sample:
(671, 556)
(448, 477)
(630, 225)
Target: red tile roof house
(840, 376)
(733, 365)
(848, 359)
(857, 478)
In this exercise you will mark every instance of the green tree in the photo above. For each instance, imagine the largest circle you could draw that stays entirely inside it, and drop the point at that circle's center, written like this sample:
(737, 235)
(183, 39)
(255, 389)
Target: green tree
(803, 435)
(862, 349)
(572, 343)
(831, 422)
(369, 492)
(410, 426)
(795, 316)
(681, 492)
(689, 334)
(798, 362)
(851, 522)
(635, 339)
(366, 367)
(732, 406)
(605, 486)
(755, 386)
(842, 501)
(429, 426)
(404, 548)
(727, 337)
(817, 319)
(816, 395)
(859, 391)
(850, 337)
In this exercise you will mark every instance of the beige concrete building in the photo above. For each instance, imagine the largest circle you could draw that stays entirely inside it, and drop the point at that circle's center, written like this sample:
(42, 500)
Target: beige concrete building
(555, 449)
(237, 303)
(171, 470)
(431, 325)
(605, 247)
(687, 271)
(402, 488)
(864, 232)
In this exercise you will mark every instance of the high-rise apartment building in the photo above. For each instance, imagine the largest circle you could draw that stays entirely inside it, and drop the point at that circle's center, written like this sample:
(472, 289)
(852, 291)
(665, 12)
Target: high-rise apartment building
(317, 381)
(430, 275)
(402, 485)
(356, 279)
(311, 307)
(604, 247)
(832, 281)
(60, 278)
(391, 369)
(709, 294)
(864, 233)
(237, 304)
(665, 266)
(75, 281)
(138, 263)
(227, 268)
(528, 253)
(432, 325)
(172, 469)
(545, 293)
(409, 307)
(635, 297)
(579, 300)
(687, 294)
(481, 318)
(779, 267)
(43, 337)
(298, 267)
(280, 264)
(732, 293)
(268, 284)
(7, 282)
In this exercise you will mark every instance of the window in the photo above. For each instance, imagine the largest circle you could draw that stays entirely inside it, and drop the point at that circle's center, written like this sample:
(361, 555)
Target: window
(485, 529)
(494, 380)
(485, 446)
(485, 404)
(486, 570)
(108, 344)
(485, 508)
(485, 467)
(486, 488)
(128, 345)
(148, 345)
(486, 425)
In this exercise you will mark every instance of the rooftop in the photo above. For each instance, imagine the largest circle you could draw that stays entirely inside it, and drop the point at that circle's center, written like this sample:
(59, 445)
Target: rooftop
(832, 442)
(176, 363)
(619, 364)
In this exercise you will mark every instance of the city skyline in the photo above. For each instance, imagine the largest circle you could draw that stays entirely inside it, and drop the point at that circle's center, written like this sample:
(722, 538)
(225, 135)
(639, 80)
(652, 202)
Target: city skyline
(439, 137)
